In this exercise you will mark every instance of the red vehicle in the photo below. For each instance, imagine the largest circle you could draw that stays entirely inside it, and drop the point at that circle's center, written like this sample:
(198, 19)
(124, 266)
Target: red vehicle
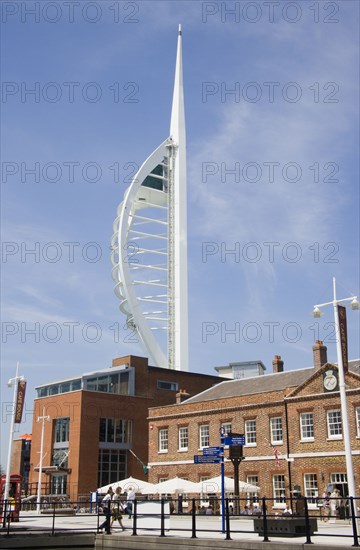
(14, 501)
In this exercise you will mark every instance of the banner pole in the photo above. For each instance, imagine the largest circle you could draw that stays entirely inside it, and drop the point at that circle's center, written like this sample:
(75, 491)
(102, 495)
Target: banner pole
(12, 429)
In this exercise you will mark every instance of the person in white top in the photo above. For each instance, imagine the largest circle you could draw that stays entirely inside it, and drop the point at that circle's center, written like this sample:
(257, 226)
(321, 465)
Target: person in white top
(106, 506)
(130, 500)
(287, 511)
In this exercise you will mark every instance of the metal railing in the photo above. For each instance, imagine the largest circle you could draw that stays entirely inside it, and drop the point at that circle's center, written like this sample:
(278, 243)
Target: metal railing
(269, 517)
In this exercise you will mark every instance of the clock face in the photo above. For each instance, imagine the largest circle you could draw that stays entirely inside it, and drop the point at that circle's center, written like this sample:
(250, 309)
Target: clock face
(330, 382)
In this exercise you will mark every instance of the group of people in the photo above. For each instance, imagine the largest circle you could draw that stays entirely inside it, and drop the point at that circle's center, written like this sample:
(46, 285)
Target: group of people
(206, 510)
(249, 510)
(332, 505)
(113, 506)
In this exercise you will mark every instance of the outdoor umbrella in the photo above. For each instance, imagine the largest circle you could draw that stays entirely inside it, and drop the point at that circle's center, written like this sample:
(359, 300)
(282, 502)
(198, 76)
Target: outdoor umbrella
(138, 485)
(213, 485)
(175, 485)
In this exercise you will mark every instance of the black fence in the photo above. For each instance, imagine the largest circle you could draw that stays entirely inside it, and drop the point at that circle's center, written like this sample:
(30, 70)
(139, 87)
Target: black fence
(297, 517)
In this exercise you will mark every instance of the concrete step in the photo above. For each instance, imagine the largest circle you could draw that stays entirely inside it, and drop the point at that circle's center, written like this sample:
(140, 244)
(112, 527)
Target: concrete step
(105, 542)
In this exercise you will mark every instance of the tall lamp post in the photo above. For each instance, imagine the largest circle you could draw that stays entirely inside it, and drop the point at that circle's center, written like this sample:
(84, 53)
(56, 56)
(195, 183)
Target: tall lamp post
(342, 388)
(12, 382)
(42, 419)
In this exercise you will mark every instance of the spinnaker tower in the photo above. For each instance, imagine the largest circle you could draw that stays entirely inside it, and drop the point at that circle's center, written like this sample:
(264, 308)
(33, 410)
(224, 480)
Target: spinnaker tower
(149, 245)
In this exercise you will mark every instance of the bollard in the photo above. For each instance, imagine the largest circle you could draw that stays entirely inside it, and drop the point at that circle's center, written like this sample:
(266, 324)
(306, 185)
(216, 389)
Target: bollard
(265, 529)
(227, 520)
(134, 533)
(162, 519)
(307, 522)
(4, 513)
(53, 521)
(8, 516)
(354, 522)
(193, 520)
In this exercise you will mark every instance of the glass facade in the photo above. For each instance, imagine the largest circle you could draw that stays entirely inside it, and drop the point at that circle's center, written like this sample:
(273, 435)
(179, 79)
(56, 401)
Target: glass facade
(115, 430)
(61, 387)
(112, 466)
(60, 457)
(163, 385)
(117, 383)
(58, 484)
(62, 428)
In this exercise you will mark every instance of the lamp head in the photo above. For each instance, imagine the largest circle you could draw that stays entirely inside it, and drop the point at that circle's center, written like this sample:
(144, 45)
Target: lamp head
(355, 304)
(317, 313)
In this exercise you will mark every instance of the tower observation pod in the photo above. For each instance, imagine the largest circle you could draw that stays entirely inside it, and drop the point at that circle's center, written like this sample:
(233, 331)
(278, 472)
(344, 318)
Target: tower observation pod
(149, 245)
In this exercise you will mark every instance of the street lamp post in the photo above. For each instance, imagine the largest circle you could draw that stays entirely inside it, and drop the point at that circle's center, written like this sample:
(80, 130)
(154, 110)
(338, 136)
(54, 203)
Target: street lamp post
(42, 419)
(342, 388)
(11, 382)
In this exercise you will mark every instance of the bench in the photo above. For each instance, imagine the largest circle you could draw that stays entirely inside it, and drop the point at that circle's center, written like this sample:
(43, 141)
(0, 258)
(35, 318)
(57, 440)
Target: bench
(285, 526)
(59, 511)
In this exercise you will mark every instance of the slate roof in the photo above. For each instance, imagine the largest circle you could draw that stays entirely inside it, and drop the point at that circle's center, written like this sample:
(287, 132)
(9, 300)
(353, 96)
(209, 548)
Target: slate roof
(260, 384)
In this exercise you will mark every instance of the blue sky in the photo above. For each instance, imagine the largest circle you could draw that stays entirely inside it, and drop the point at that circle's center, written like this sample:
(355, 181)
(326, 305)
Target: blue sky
(103, 76)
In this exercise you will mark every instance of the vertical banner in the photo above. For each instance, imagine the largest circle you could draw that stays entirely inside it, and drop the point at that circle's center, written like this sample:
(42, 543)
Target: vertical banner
(20, 399)
(343, 336)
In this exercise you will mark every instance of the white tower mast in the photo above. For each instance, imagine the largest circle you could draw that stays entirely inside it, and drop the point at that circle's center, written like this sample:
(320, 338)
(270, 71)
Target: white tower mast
(149, 245)
(178, 291)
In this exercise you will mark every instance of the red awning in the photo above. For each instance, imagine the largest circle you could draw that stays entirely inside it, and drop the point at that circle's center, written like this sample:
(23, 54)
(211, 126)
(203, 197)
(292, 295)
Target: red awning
(27, 437)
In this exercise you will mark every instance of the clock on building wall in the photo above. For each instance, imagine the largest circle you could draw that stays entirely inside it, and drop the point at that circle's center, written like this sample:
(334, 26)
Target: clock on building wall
(330, 380)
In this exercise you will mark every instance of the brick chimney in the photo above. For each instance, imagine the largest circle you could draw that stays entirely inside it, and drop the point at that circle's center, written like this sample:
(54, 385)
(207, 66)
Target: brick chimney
(181, 396)
(278, 364)
(320, 354)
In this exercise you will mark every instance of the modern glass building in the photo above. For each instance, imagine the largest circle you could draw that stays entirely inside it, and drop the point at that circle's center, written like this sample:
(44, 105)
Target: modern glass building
(98, 420)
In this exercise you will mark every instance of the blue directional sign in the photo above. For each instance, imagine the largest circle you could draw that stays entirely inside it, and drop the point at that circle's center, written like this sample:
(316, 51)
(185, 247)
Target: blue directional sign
(238, 440)
(207, 459)
(212, 450)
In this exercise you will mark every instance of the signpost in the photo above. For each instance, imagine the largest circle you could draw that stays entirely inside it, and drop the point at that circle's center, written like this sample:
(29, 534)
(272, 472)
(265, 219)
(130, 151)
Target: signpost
(234, 439)
(207, 459)
(222, 437)
(236, 442)
(215, 455)
(213, 451)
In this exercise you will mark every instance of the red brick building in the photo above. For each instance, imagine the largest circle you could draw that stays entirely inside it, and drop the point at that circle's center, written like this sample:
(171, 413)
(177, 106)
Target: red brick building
(96, 418)
(297, 413)
(20, 459)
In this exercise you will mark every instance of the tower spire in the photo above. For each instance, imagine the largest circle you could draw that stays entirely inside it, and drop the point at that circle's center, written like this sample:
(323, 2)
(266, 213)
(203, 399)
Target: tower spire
(178, 291)
(177, 124)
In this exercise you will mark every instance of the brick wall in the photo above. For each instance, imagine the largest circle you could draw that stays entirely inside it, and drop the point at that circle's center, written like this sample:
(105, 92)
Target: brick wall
(323, 456)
